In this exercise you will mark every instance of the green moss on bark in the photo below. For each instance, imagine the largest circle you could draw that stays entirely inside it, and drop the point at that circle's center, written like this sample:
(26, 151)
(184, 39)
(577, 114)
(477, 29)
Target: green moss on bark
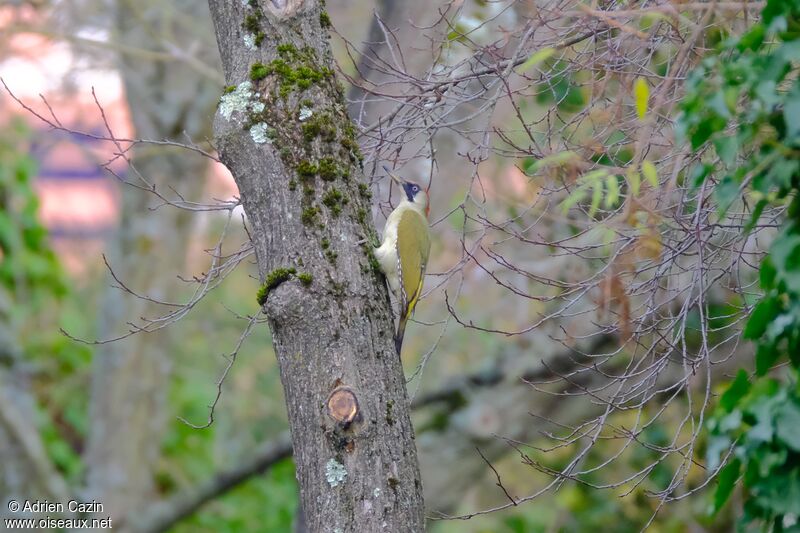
(273, 279)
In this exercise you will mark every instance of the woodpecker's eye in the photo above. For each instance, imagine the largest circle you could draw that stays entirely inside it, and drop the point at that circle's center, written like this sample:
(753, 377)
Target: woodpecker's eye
(415, 188)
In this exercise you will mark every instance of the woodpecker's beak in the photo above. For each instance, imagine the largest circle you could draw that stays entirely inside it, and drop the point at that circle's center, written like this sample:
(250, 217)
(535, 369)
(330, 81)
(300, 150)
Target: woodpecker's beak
(394, 177)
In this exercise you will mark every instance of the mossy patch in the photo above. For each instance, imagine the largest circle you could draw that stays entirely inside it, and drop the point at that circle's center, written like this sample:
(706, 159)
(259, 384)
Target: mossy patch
(258, 71)
(296, 69)
(320, 125)
(251, 23)
(305, 278)
(306, 169)
(310, 130)
(273, 279)
(329, 169)
(364, 191)
(330, 254)
(333, 200)
(350, 146)
(325, 19)
(309, 215)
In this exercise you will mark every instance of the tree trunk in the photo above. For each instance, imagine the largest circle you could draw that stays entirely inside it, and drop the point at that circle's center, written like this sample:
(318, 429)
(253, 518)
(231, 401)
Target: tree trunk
(297, 167)
(131, 377)
(26, 472)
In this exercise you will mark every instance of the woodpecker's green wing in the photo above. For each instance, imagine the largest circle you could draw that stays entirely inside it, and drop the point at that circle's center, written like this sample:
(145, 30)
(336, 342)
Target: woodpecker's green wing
(413, 246)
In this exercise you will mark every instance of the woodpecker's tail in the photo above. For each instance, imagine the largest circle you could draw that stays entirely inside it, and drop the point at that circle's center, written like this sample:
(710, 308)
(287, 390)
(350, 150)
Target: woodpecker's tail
(401, 331)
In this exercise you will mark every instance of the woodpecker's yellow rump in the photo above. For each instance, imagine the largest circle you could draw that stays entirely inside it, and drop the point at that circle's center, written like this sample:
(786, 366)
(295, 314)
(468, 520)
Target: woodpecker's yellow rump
(403, 255)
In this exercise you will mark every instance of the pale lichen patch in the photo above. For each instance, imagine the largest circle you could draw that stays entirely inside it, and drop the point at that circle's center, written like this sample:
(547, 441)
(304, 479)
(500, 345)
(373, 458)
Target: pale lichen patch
(335, 473)
(250, 41)
(259, 133)
(237, 100)
(305, 113)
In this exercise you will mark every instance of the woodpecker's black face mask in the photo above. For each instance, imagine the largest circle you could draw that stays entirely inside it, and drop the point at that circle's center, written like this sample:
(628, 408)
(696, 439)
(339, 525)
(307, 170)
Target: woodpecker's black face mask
(411, 190)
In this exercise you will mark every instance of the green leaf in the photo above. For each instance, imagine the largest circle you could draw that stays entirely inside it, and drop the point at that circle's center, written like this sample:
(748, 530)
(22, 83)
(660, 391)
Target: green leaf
(612, 194)
(766, 355)
(634, 180)
(719, 105)
(699, 174)
(755, 36)
(778, 177)
(787, 424)
(735, 392)
(763, 313)
(791, 113)
(762, 410)
(650, 173)
(779, 326)
(539, 56)
(727, 147)
(757, 211)
(641, 93)
(555, 160)
(784, 252)
(717, 446)
(594, 176)
(597, 195)
(767, 274)
(726, 482)
(725, 193)
(576, 196)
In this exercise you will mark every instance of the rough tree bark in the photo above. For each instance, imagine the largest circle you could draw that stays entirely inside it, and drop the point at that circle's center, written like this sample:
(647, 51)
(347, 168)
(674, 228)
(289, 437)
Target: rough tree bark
(297, 167)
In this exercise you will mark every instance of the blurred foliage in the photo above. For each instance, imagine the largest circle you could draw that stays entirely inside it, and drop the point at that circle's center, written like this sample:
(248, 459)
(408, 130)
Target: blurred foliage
(745, 100)
(40, 298)
(626, 503)
(29, 269)
(251, 409)
(35, 289)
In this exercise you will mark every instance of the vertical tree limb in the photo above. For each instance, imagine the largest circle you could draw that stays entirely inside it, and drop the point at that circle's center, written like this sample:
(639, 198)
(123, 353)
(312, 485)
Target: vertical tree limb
(131, 376)
(296, 164)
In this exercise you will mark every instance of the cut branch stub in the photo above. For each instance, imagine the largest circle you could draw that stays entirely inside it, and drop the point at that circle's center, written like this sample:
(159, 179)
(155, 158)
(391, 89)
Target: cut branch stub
(343, 406)
(284, 8)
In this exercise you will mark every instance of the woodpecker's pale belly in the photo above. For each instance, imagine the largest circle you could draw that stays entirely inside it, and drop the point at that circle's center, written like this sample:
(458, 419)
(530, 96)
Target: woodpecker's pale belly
(386, 254)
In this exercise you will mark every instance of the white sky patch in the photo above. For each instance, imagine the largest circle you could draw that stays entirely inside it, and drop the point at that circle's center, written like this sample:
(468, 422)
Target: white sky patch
(45, 69)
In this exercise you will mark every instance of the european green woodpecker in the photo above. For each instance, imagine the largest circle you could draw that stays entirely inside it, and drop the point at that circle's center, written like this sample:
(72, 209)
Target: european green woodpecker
(403, 255)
